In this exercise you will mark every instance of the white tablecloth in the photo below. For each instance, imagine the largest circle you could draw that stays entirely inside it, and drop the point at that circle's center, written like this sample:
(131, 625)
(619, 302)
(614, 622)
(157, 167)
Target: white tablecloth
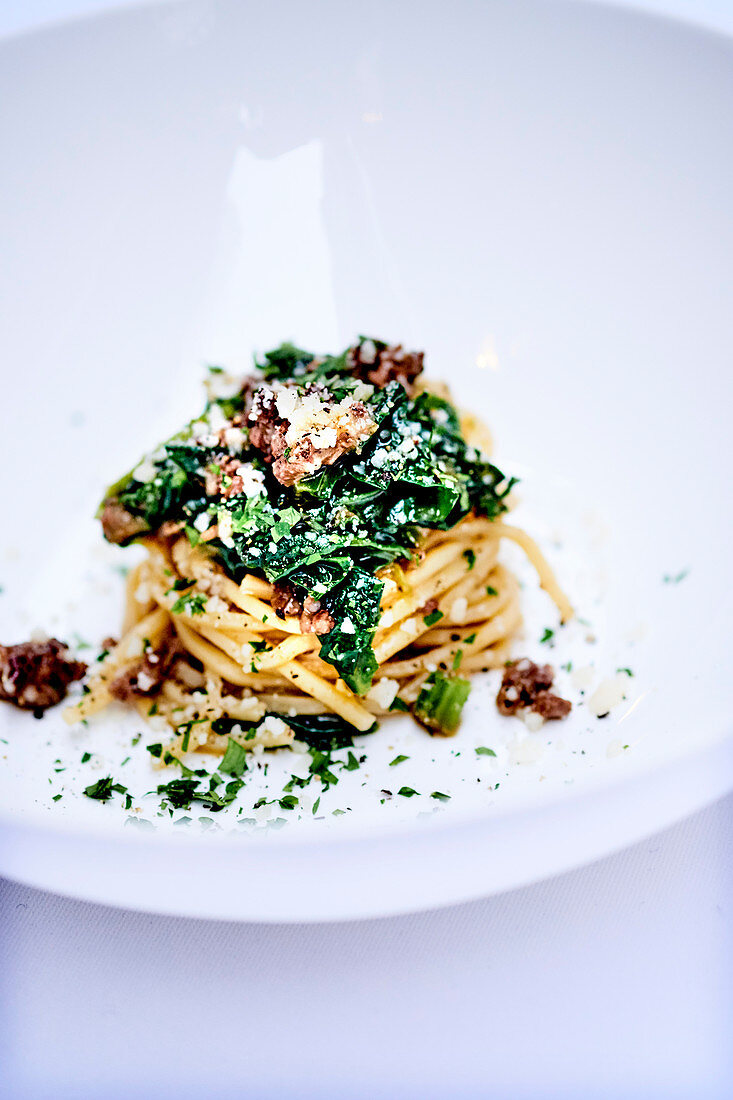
(611, 981)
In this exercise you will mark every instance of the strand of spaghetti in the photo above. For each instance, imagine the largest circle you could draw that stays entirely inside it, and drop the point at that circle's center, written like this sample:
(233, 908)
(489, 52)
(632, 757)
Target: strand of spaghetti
(504, 587)
(263, 612)
(193, 560)
(210, 655)
(478, 527)
(470, 586)
(288, 705)
(433, 562)
(292, 647)
(469, 624)
(475, 432)
(218, 743)
(410, 626)
(128, 649)
(211, 615)
(547, 577)
(501, 626)
(347, 706)
(434, 587)
(135, 609)
(248, 709)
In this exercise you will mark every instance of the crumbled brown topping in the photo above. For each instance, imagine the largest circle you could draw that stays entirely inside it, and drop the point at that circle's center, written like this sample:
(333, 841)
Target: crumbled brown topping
(118, 524)
(428, 607)
(527, 685)
(146, 675)
(36, 675)
(313, 617)
(226, 482)
(284, 601)
(304, 455)
(389, 364)
(267, 428)
(170, 527)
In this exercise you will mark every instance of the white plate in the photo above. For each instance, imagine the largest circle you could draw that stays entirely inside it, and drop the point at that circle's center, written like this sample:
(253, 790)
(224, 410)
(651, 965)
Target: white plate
(539, 195)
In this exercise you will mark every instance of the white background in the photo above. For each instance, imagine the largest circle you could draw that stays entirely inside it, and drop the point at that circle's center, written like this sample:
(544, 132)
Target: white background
(611, 981)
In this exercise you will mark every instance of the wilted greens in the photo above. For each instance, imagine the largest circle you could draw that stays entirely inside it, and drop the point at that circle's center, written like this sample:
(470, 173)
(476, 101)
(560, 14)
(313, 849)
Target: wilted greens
(329, 533)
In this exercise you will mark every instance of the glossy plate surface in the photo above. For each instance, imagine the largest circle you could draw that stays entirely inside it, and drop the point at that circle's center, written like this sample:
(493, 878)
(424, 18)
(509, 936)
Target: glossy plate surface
(538, 195)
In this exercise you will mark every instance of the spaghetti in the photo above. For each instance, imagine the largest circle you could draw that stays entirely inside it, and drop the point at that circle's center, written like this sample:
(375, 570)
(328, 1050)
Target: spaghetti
(236, 666)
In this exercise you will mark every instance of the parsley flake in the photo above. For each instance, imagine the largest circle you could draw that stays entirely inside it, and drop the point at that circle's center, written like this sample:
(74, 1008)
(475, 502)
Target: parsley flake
(102, 790)
(192, 603)
(235, 759)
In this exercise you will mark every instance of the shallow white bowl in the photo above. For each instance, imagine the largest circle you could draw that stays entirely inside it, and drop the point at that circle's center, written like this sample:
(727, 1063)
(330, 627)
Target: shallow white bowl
(536, 193)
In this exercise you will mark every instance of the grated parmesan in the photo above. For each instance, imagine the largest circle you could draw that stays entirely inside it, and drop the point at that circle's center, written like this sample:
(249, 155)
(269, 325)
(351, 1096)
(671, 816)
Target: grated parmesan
(383, 692)
(459, 608)
(608, 694)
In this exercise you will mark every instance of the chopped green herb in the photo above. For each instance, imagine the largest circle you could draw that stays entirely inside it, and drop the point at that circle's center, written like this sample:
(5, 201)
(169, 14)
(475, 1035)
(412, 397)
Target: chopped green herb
(470, 557)
(470, 639)
(491, 591)
(398, 704)
(125, 761)
(156, 749)
(483, 751)
(351, 762)
(102, 790)
(56, 797)
(406, 792)
(567, 667)
(457, 659)
(440, 796)
(85, 756)
(547, 636)
(626, 670)
(192, 603)
(433, 617)
(235, 759)
(316, 804)
(675, 578)
(320, 767)
(180, 584)
(398, 760)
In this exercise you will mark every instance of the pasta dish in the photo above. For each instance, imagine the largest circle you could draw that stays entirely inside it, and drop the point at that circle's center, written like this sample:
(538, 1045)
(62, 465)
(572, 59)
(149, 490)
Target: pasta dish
(322, 550)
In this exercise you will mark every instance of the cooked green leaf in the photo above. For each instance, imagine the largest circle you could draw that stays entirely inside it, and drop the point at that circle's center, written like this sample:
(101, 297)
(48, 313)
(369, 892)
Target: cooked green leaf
(235, 759)
(439, 705)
